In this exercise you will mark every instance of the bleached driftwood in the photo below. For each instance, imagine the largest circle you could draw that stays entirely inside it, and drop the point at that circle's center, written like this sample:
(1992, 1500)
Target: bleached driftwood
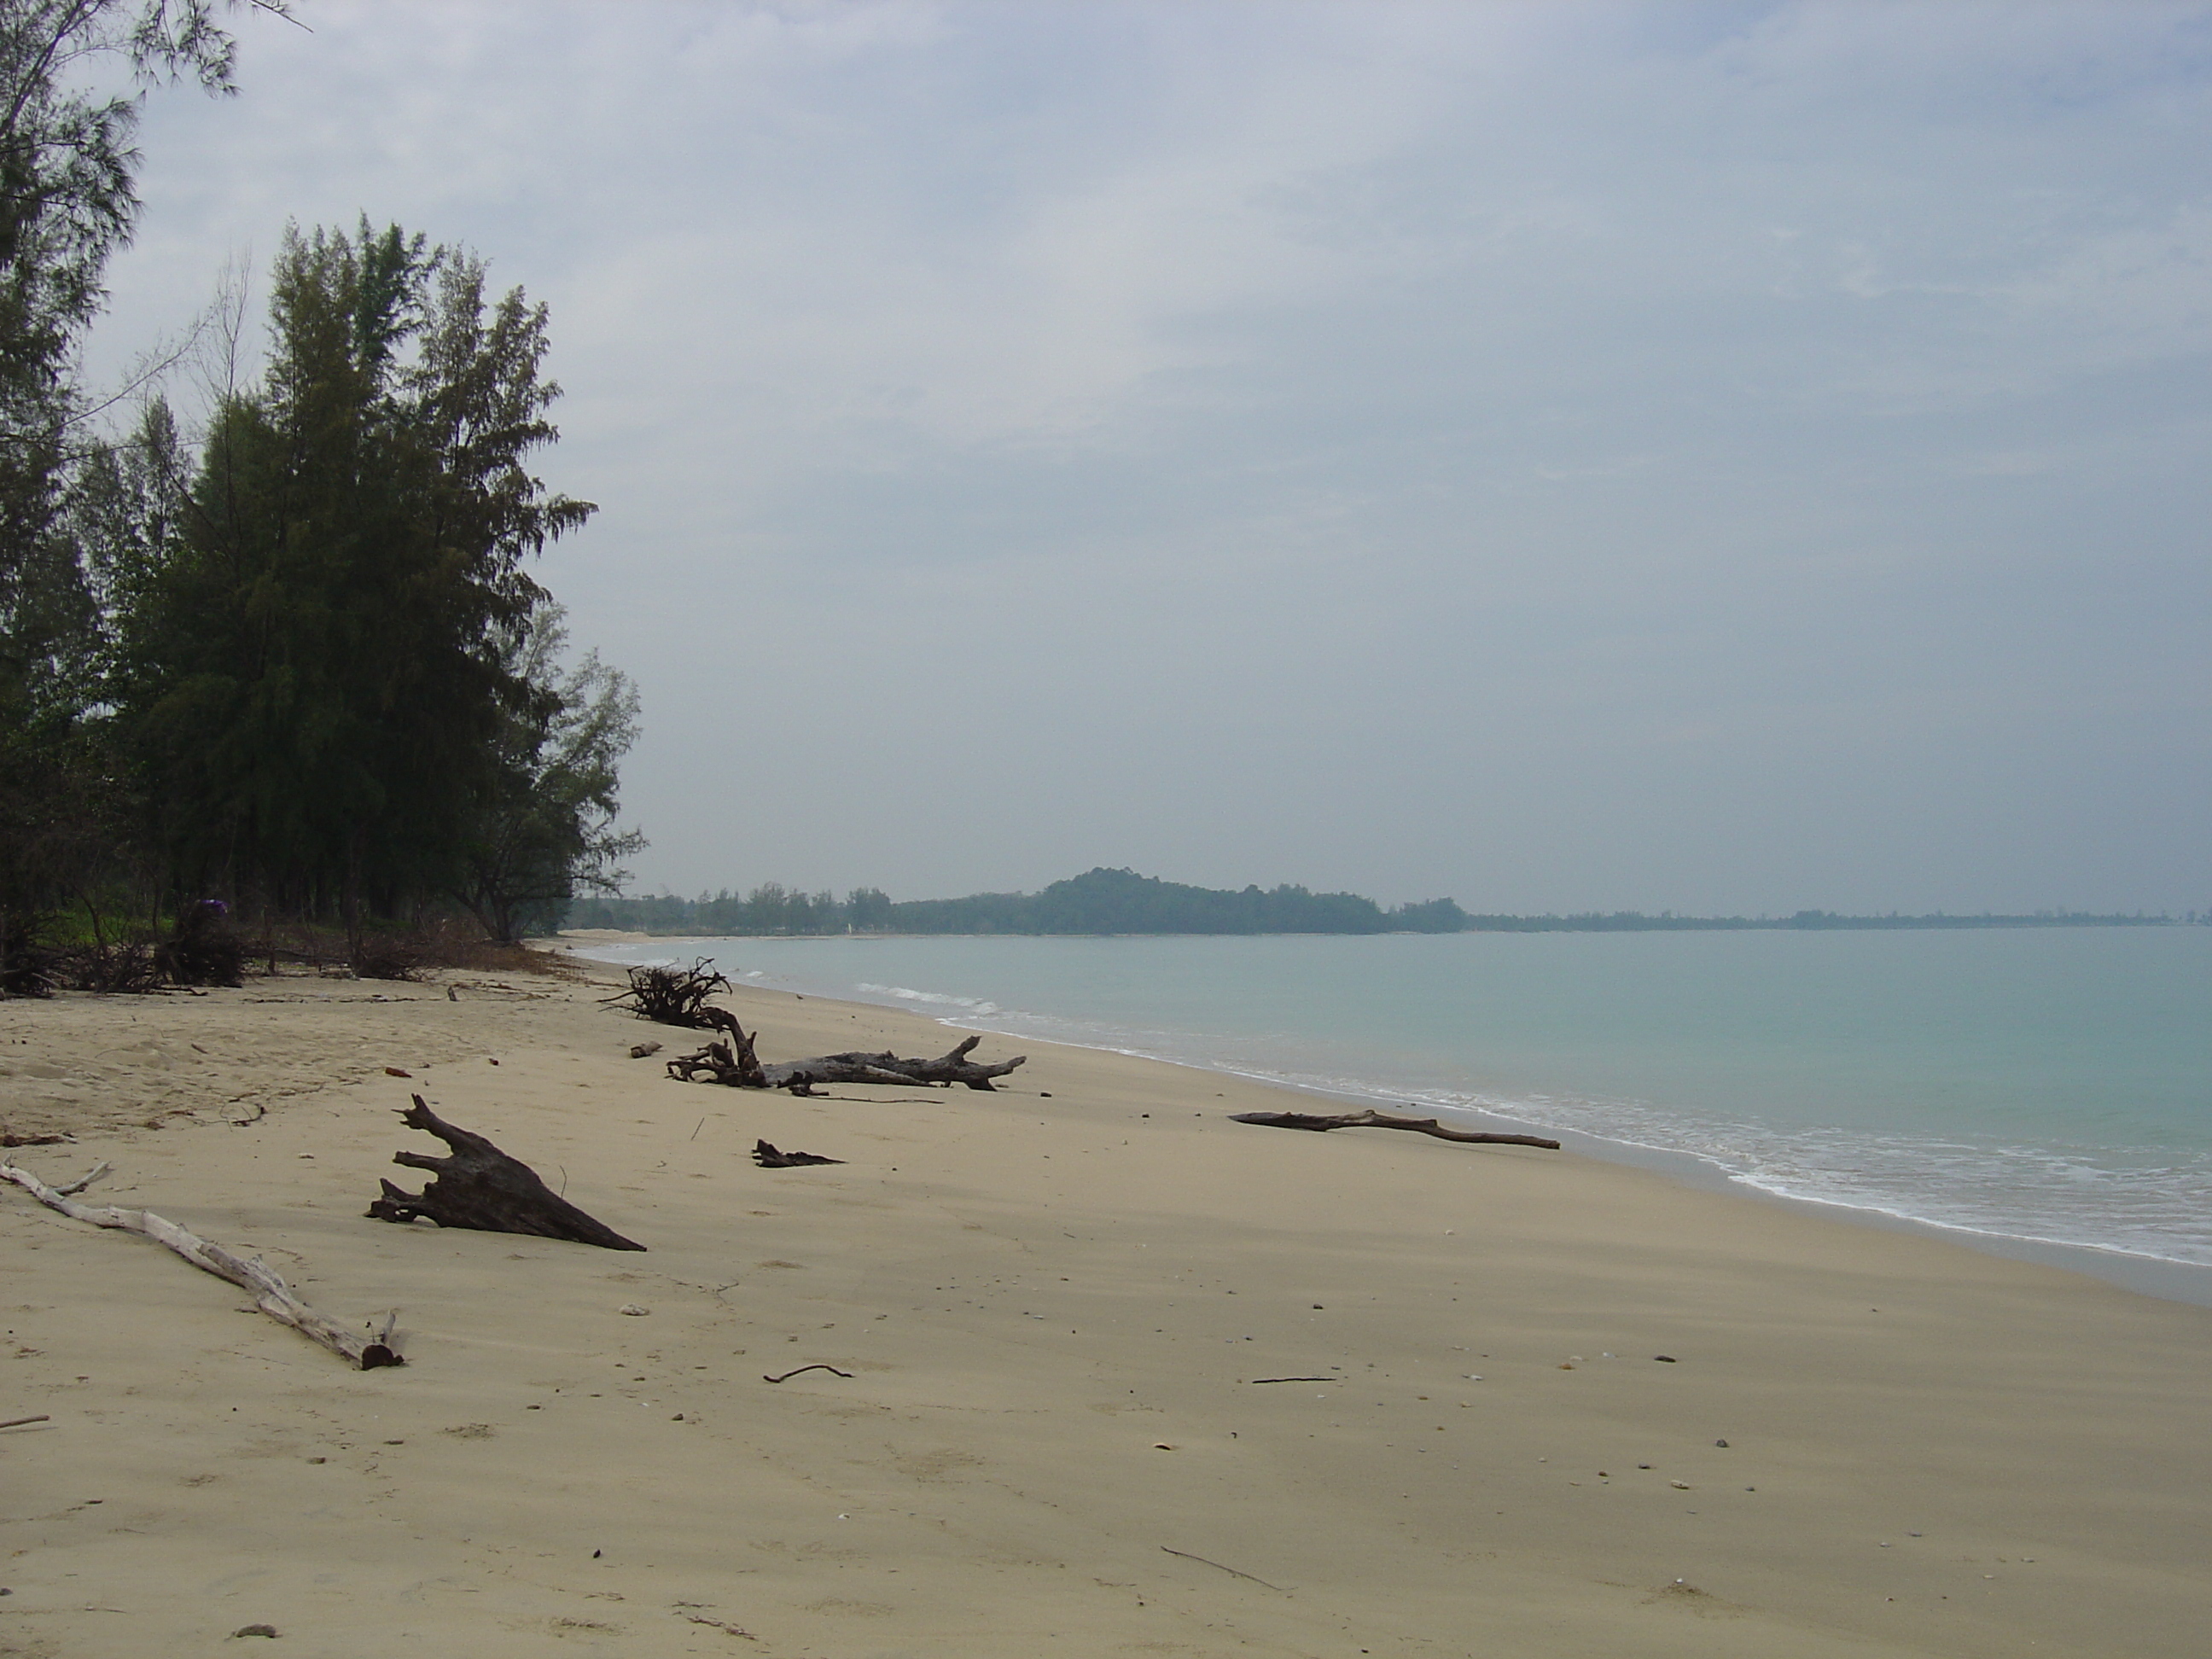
(255, 1277)
(1372, 1120)
(734, 1063)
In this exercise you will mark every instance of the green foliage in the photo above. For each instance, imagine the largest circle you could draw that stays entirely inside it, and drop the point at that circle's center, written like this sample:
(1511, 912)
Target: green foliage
(324, 667)
(66, 204)
(543, 824)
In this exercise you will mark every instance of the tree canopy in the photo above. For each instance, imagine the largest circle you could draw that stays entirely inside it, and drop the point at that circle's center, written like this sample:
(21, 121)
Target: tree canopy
(337, 680)
(289, 655)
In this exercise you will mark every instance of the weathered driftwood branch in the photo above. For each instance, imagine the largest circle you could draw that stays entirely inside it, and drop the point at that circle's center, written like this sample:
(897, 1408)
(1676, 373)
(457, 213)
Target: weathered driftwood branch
(1372, 1120)
(255, 1277)
(769, 1158)
(737, 1067)
(482, 1189)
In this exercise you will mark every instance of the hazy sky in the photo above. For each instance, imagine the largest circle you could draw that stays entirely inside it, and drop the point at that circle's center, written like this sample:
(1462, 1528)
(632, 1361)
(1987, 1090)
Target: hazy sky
(1706, 457)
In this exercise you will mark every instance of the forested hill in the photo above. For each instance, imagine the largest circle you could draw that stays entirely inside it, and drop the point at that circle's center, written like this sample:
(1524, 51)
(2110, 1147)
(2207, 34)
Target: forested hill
(1100, 901)
(1121, 902)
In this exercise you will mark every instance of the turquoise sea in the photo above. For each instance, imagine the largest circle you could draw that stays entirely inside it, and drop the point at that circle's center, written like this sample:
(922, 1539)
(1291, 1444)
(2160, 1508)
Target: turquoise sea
(2044, 1087)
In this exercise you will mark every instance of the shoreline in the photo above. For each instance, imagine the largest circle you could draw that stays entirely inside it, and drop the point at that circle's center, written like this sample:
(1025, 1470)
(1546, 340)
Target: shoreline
(2166, 1277)
(1054, 1312)
(2147, 1275)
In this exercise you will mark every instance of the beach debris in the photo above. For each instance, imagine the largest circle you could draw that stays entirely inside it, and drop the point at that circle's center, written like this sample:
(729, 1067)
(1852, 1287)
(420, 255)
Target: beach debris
(734, 1064)
(1257, 1381)
(643, 1050)
(802, 1371)
(1374, 1120)
(481, 1188)
(718, 1624)
(769, 1158)
(633, 1310)
(9, 1138)
(253, 1630)
(1232, 1572)
(669, 995)
(394, 1071)
(23, 1422)
(1666, 1359)
(270, 1293)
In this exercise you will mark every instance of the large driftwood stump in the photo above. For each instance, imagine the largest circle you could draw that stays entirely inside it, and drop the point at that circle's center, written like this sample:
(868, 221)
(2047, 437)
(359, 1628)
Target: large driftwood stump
(1372, 1120)
(251, 1274)
(482, 1189)
(736, 1065)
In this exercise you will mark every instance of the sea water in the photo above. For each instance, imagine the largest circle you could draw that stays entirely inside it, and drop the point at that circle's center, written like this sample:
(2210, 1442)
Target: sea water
(2049, 1086)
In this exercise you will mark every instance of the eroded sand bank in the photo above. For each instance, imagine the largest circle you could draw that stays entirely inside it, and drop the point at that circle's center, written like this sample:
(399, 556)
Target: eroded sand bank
(1056, 1312)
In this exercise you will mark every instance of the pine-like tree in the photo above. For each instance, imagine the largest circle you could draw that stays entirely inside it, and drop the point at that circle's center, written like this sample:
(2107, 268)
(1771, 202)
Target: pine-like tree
(66, 205)
(319, 679)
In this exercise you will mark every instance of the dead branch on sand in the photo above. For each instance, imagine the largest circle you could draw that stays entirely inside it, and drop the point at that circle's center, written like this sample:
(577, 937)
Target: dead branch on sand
(769, 1158)
(1372, 1120)
(255, 1277)
(802, 1371)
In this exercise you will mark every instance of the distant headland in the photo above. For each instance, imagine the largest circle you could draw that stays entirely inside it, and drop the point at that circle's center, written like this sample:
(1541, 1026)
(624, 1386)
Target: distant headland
(1102, 901)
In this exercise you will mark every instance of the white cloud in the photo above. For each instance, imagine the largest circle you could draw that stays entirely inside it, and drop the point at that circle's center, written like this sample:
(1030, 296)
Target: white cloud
(1242, 415)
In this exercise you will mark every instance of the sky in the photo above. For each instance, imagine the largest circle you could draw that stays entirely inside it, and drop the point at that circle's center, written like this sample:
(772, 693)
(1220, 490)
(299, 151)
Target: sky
(1723, 458)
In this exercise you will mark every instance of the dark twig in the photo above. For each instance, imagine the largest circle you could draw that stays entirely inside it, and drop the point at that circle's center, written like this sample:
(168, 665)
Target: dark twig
(803, 1370)
(1231, 1572)
(18, 1422)
(1259, 1380)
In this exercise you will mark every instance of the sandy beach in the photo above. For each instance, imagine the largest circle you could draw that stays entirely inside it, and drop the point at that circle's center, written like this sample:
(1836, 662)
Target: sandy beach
(1064, 1309)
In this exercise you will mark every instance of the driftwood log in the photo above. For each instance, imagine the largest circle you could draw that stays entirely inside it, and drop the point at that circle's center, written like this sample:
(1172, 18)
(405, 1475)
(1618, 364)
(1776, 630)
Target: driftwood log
(255, 1277)
(734, 1063)
(1373, 1120)
(482, 1189)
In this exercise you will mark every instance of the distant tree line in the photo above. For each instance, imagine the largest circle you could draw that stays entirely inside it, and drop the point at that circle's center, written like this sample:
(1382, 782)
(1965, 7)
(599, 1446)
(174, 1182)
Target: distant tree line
(1121, 902)
(1635, 922)
(286, 656)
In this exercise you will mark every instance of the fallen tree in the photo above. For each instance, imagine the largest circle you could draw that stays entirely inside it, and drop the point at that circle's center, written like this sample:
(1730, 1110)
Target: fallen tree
(1373, 1120)
(481, 1188)
(733, 1063)
(255, 1277)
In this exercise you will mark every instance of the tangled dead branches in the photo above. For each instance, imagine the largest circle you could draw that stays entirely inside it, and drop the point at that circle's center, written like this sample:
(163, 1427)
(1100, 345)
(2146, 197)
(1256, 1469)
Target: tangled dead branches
(669, 995)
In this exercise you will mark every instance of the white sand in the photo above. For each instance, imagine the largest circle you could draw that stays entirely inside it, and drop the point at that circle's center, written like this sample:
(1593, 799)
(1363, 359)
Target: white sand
(1053, 1311)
